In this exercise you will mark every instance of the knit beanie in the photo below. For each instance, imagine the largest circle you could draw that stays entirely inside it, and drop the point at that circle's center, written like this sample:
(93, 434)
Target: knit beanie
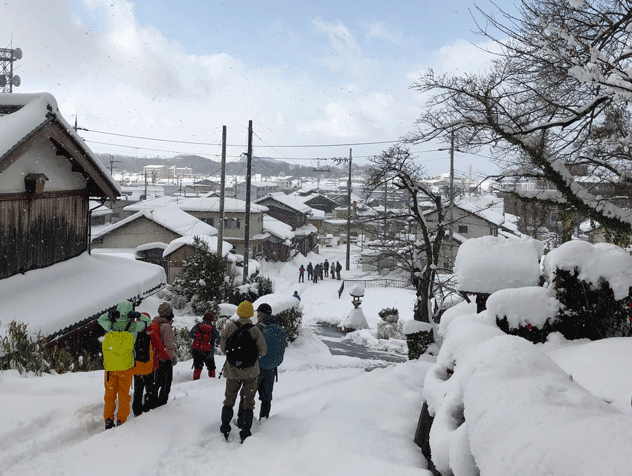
(164, 310)
(208, 316)
(245, 309)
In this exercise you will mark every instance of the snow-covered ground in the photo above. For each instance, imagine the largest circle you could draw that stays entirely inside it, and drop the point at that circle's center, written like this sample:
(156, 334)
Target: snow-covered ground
(329, 415)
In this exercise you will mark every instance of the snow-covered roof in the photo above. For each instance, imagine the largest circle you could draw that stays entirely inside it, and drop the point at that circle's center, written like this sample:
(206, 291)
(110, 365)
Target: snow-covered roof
(151, 246)
(211, 241)
(277, 228)
(47, 299)
(305, 230)
(489, 263)
(231, 205)
(288, 201)
(172, 218)
(26, 114)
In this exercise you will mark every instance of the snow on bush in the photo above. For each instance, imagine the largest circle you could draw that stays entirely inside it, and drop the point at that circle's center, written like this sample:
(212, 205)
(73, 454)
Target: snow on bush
(522, 307)
(501, 406)
(489, 263)
(595, 263)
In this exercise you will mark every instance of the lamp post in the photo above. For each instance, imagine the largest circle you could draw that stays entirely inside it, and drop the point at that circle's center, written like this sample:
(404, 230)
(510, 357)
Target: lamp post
(355, 320)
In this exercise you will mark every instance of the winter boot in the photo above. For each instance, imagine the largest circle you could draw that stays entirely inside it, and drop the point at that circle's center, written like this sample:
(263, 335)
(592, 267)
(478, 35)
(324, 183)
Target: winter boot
(247, 424)
(109, 423)
(119, 422)
(196, 374)
(227, 416)
(265, 410)
(211, 373)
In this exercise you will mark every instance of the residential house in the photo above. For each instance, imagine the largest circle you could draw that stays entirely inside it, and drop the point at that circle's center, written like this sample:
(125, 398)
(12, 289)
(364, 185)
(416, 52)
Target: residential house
(294, 213)
(180, 249)
(47, 177)
(258, 189)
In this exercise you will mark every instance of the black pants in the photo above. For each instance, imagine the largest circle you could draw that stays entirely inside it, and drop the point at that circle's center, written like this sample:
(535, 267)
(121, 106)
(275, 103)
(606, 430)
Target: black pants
(144, 393)
(201, 358)
(164, 377)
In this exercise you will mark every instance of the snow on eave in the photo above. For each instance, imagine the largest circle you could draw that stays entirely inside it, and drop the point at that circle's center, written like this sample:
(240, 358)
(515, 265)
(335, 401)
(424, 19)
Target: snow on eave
(287, 201)
(277, 228)
(211, 204)
(151, 246)
(211, 241)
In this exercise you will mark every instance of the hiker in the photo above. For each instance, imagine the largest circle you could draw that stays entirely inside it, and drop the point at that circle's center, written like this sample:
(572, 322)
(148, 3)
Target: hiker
(301, 274)
(338, 268)
(310, 271)
(316, 273)
(118, 359)
(326, 268)
(144, 388)
(296, 296)
(320, 271)
(243, 344)
(164, 373)
(276, 342)
(204, 337)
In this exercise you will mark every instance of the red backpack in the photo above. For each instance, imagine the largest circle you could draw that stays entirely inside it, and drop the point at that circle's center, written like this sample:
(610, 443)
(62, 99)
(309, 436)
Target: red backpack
(202, 340)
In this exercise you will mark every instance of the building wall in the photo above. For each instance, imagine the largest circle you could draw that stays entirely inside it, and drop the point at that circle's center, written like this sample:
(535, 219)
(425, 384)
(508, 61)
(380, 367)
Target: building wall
(41, 230)
(136, 233)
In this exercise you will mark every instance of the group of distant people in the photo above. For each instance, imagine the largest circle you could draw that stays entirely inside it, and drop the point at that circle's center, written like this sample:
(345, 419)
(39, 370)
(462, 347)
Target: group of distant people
(320, 271)
(139, 349)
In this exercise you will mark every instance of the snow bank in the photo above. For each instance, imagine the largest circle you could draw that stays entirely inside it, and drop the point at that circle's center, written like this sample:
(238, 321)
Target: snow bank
(593, 262)
(500, 403)
(489, 263)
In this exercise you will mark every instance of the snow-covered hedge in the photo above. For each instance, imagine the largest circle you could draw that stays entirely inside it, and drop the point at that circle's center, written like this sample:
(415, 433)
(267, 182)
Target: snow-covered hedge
(501, 406)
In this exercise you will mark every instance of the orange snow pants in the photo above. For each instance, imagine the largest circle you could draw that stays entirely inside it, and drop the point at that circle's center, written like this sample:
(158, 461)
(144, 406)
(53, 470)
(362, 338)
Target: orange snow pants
(117, 383)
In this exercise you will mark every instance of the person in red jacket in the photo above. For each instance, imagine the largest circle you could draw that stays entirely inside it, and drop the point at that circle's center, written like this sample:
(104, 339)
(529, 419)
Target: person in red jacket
(204, 338)
(167, 359)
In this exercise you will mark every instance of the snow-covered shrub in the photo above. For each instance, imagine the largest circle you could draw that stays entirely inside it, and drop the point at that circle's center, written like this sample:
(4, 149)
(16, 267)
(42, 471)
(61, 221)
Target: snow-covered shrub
(594, 284)
(529, 312)
(260, 286)
(390, 327)
(182, 344)
(19, 351)
(419, 336)
(291, 320)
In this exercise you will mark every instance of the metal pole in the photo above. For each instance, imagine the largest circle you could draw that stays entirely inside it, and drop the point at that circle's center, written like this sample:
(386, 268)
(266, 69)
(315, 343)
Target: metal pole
(247, 225)
(451, 211)
(220, 228)
(349, 215)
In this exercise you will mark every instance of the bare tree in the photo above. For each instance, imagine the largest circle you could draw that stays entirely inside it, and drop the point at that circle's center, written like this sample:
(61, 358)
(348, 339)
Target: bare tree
(396, 166)
(556, 97)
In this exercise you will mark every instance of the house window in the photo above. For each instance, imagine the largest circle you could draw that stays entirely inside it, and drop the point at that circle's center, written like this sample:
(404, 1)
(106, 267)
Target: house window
(232, 223)
(463, 229)
(208, 221)
(493, 231)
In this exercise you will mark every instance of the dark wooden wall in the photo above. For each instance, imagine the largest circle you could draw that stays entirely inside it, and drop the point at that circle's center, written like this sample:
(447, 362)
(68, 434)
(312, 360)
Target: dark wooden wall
(40, 230)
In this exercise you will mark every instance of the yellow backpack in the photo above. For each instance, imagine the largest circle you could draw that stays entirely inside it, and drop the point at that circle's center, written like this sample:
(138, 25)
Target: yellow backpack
(118, 349)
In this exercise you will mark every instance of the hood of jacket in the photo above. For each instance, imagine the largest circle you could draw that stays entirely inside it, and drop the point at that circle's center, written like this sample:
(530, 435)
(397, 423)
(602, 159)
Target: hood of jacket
(124, 308)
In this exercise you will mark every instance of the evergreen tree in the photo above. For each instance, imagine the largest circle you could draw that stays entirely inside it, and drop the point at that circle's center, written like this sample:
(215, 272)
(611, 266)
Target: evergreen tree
(202, 277)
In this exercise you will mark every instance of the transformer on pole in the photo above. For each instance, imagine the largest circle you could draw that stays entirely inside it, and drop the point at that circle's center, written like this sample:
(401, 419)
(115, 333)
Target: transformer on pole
(7, 79)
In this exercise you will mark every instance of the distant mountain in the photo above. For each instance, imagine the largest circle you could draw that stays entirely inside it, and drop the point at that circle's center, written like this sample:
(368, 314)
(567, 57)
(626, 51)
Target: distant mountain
(265, 166)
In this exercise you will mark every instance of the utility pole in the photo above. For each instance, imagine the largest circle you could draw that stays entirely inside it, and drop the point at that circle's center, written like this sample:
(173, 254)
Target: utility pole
(145, 184)
(451, 211)
(220, 228)
(349, 216)
(248, 181)
(112, 161)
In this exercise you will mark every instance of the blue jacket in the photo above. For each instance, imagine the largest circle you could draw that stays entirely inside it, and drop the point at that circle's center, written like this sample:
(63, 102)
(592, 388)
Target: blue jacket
(276, 340)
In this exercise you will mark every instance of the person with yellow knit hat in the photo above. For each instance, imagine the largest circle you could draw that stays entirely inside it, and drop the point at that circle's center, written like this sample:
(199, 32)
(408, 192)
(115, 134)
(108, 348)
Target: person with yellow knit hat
(243, 344)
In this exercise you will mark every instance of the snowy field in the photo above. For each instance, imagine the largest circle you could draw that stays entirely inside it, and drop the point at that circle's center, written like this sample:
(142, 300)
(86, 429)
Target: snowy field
(330, 416)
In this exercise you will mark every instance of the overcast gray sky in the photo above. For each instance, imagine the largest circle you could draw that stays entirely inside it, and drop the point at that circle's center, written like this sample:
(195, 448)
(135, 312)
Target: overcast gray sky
(306, 73)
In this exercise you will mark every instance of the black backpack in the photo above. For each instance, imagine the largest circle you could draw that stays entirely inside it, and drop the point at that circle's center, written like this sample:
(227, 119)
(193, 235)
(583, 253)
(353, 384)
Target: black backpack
(241, 348)
(141, 347)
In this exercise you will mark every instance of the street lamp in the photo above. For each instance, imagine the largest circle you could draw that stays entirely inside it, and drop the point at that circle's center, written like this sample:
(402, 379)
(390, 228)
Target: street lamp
(7, 79)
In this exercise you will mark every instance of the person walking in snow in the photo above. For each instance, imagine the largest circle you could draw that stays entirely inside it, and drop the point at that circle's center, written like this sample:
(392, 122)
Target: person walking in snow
(144, 386)
(204, 337)
(316, 273)
(296, 296)
(301, 274)
(276, 342)
(338, 269)
(121, 329)
(242, 343)
(163, 322)
(310, 271)
(326, 268)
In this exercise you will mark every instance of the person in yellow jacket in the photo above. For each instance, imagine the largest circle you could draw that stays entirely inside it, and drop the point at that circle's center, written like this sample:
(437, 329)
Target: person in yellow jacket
(119, 362)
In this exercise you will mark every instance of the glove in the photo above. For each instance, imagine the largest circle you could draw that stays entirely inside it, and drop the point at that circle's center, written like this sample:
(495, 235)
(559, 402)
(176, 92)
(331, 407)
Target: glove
(174, 360)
